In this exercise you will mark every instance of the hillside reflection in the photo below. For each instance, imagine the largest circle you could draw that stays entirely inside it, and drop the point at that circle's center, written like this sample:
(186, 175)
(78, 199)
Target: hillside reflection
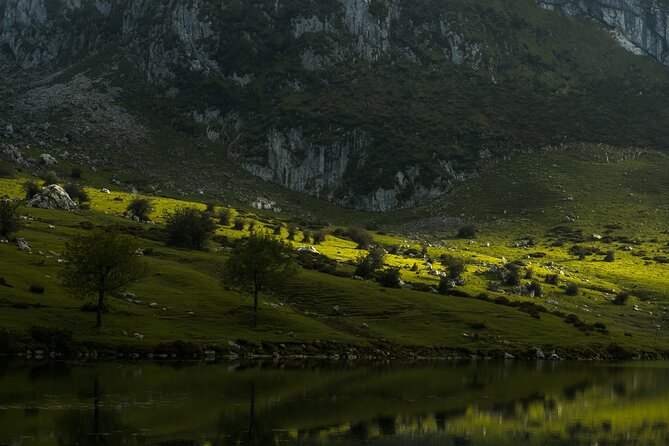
(319, 404)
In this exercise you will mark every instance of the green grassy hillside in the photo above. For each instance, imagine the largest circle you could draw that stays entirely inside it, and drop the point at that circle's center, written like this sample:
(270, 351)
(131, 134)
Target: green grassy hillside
(520, 209)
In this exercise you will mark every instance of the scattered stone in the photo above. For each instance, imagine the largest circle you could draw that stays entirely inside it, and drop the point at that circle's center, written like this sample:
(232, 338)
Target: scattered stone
(47, 160)
(508, 356)
(104, 190)
(23, 245)
(554, 357)
(308, 249)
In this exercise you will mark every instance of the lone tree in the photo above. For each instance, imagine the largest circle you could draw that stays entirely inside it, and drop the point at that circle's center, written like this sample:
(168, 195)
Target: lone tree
(371, 262)
(257, 264)
(189, 228)
(99, 263)
(140, 208)
(9, 217)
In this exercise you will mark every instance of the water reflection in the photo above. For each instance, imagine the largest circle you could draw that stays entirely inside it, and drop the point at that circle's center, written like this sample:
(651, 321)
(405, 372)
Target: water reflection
(481, 403)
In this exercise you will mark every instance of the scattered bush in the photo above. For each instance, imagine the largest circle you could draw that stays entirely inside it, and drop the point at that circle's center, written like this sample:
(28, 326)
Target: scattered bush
(390, 278)
(444, 285)
(189, 228)
(75, 173)
(9, 217)
(319, 237)
(513, 276)
(140, 208)
(31, 188)
(50, 178)
(571, 290)
(252, 226)
(239, 224)
(226, 216)
(454, 265)
(370, 263)
(536, 288)
(467, 231)
(361, 237)
(552, 279)
(37, 289)
(307, 237)
(77, 193)
(7, 169)
(621, 298)
(86, 225)
(54, 339)
(292, 231)
(610, 257)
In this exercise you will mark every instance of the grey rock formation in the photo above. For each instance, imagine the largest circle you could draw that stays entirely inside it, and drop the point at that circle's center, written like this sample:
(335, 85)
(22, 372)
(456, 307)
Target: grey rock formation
(640, 26)
(53, 197)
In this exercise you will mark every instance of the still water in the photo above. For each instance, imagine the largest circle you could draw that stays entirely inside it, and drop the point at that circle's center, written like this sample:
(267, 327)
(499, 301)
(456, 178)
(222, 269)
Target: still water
(477, 403)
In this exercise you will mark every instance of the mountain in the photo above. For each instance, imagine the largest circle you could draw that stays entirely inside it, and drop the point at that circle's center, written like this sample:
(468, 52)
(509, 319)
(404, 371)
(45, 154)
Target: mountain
(371, 104)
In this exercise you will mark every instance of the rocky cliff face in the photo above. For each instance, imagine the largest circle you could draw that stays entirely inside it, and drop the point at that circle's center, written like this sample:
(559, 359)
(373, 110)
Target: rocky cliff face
(375, 104)
(641, 26)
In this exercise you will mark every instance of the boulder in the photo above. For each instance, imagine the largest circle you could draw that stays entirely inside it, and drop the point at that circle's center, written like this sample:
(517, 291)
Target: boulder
(508, 356)
(53, 197)
(23, 245)
(47, 160)
(554, 357)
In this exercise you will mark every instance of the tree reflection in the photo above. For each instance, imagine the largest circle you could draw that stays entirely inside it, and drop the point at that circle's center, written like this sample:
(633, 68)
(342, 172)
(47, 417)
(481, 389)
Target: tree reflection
(81, 427)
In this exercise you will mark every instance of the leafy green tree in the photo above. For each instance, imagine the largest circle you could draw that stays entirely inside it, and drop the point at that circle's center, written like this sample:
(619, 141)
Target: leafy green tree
(140, 208)
(259, 263)
(371, 262)
(31, 188)
(9, 217)
(189, 228)
(454, 265)
(100, 263)
(77, 193)
(226, 216)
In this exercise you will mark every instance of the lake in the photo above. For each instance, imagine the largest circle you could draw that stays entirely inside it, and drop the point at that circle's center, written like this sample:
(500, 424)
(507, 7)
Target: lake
(449, 403)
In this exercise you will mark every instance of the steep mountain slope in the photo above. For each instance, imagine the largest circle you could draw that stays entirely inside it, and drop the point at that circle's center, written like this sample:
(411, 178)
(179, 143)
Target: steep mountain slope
(373, 104)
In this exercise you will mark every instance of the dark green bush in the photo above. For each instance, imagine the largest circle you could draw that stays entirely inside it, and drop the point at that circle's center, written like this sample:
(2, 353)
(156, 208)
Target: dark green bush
(467, 231)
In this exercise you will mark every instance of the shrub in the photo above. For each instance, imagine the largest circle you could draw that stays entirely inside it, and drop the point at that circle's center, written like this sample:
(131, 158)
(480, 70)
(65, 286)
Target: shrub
(239, 224)
(140, 208)
(252, 226)
(6, 169)
(31, 188)
(454, 265)
(37, 289)
(277, 229)
(361, 237)
(307, 237)
(467, 231)
(9, 217)
(54, 339)
(77, 193)
(552, 279)
(292, 231)
(513, 277)
(189, 228)
(536, 288)
(610, 257)
(50, 178)
(226, 216)
(75, 173)
(390, 278)
(444, 285)
(319, 237)
(371, 262)
(571, 290)
(621, 298)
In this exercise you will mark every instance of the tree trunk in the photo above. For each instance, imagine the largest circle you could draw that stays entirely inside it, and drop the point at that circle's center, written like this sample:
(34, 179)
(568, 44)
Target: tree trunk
(255, 309)
(101, 304)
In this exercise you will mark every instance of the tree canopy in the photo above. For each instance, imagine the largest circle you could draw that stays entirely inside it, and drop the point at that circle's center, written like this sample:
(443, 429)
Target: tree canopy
(101, 262)
(259, 263)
